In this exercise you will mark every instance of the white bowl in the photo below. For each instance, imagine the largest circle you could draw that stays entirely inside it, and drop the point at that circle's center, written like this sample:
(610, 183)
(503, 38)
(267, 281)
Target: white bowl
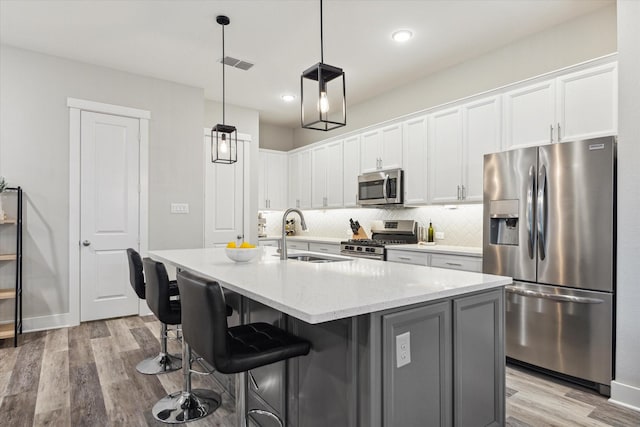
(242, 254)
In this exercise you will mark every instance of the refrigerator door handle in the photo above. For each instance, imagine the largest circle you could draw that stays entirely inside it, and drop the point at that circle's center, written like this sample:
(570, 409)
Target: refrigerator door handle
(530, 193)
(555, 297)
(541, 217)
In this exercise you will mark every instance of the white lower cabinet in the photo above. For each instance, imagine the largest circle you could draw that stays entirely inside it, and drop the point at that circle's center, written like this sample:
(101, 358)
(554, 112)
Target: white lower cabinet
(429, 259)
(301, 246)
(327, 248)
(409, 257)
(457, 262)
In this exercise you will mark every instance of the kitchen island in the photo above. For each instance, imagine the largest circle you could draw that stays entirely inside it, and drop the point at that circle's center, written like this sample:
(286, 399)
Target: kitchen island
(392, 344)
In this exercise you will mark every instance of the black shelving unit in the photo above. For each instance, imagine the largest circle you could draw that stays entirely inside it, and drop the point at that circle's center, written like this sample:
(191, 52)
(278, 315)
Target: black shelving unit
(17, 296)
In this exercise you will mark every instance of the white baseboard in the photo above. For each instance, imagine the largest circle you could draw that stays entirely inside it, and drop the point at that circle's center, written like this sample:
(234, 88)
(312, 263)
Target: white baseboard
(625, 395)
(43, 323)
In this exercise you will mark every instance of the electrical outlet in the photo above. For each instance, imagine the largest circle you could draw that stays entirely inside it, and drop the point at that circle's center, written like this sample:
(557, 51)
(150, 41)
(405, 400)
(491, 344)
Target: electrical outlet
(403, 349)
(439, 235)
(179, 208)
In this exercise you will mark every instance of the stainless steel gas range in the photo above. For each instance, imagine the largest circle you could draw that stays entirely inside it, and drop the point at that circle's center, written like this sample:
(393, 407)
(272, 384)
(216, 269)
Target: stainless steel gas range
(383, 233)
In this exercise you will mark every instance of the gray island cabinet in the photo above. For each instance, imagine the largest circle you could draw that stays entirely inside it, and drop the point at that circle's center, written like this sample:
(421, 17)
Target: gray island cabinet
(392, 345)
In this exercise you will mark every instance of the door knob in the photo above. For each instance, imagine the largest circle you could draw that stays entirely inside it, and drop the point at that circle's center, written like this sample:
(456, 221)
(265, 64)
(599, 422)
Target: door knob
(86, 243)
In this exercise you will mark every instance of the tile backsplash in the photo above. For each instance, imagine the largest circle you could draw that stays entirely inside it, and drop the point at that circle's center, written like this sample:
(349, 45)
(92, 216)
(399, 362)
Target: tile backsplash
(461, 224)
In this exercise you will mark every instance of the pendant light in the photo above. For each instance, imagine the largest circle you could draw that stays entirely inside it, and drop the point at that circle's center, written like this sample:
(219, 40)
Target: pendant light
(224, 138)
(322, 94)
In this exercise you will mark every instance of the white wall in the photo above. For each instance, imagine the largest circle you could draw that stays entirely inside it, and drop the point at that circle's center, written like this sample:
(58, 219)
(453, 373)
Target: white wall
(276, 137)
(586, 37)
(626, 388)
(34, 153)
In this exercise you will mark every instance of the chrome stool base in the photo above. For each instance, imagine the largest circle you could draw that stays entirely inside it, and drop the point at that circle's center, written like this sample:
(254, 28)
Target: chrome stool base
(181, 407)
(160, 364)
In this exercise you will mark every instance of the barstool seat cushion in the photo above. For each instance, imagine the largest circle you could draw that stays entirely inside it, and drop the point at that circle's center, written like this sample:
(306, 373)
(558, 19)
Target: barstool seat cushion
(259, 344)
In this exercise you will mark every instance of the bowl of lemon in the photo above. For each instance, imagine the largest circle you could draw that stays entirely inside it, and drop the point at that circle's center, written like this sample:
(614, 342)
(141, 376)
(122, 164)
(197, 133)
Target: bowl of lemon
(241, 253)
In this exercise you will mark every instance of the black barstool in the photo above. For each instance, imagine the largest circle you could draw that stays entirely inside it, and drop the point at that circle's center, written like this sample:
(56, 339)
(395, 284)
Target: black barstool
(233, 350)
(163, 362)
(186, 404)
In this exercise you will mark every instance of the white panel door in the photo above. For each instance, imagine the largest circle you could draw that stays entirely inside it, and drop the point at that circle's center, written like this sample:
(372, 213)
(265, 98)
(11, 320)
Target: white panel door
(481, 135)
(223, 198)
(109, 212)
(445, 153)
(588, 103)
(305, 179)
(334, 174)
(529, 115)
(351, 170)
(391, 153)
(319, 177)
(415, 160)
(370, 151)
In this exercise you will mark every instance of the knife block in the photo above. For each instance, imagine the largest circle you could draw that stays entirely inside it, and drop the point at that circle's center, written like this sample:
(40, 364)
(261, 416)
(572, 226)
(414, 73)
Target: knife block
(360, 235)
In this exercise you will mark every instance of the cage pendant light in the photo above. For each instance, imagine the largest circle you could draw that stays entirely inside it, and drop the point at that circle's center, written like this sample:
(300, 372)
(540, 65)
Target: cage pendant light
(323, 104)
(224, 138)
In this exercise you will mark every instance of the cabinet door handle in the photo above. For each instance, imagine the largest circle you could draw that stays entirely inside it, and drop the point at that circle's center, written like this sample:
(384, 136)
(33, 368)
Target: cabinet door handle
(454, 264)
(559, 132)
(323, 249)
(458, 192)
(86, 243)
(464, 193)
(404, 258)
(551, 134)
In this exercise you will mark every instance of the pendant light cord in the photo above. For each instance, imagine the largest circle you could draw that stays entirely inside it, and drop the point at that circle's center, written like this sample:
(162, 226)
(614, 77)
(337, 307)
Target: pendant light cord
(223, 74)
(321, 40)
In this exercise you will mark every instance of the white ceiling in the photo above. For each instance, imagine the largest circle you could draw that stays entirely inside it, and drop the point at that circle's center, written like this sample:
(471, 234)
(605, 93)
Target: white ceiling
(180, 41)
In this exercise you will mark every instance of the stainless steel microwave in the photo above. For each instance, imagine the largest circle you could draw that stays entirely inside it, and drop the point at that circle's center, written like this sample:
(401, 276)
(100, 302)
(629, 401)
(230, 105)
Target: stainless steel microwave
(381, 188)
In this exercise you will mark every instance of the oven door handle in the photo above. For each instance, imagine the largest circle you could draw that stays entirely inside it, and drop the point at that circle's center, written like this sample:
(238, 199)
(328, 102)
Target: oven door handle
(554, 297)
(384, 187)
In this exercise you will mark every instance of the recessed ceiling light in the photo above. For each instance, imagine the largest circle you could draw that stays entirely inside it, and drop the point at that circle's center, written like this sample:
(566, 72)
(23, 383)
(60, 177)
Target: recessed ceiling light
(288, 98)
(401, 36)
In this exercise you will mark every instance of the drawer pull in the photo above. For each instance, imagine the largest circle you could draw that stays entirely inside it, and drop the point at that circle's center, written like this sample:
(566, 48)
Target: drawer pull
(323, 249)
(454, 263)
(404, 258)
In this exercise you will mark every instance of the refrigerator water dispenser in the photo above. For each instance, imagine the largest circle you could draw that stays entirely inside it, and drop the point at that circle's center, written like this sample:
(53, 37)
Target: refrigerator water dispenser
(504, 226)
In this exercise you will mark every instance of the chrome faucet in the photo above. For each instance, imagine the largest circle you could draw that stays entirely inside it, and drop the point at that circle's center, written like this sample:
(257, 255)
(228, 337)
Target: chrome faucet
(283, 250)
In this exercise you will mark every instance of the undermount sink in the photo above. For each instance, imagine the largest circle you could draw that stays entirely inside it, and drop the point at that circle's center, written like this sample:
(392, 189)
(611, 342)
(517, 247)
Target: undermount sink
(315, 258)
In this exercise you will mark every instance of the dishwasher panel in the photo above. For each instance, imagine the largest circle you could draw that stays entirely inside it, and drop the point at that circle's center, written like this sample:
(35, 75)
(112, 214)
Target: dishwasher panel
(564, 330)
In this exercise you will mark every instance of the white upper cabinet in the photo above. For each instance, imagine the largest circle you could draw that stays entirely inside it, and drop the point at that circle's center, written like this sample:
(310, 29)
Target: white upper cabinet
(381, 148)
(272, 188)
(445, 154)
(481, 134)
(459, 139)
(300, 179)
(326, 175)
(587, 103)
(351, 170)
(529, 115)
(579, 105)
(415, 160)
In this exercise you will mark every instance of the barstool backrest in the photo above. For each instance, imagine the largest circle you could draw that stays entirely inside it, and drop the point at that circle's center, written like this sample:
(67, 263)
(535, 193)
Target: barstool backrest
(204, 323)
(136, 276)
(157, 289)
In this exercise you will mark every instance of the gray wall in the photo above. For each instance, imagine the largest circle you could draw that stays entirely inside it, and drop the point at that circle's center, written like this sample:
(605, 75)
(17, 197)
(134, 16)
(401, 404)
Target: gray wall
(276, 137)
(581, 39)
(34, 153)
(628, 298)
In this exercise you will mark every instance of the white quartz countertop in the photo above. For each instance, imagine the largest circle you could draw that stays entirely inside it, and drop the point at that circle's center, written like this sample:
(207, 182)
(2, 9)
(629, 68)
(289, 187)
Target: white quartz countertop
(317, 293)
(440, 249)
(303, 238)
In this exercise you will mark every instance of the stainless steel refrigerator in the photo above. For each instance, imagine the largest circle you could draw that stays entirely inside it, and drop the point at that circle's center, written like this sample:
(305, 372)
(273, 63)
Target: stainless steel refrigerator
(550, 223)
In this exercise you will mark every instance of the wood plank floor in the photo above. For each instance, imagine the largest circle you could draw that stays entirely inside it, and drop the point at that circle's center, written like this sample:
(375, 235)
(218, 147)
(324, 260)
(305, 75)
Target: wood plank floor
(85, 376)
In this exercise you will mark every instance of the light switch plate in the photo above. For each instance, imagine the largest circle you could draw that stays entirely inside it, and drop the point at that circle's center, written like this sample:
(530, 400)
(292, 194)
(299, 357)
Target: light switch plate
(439, 235)
(179, 208)
(403, 349)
